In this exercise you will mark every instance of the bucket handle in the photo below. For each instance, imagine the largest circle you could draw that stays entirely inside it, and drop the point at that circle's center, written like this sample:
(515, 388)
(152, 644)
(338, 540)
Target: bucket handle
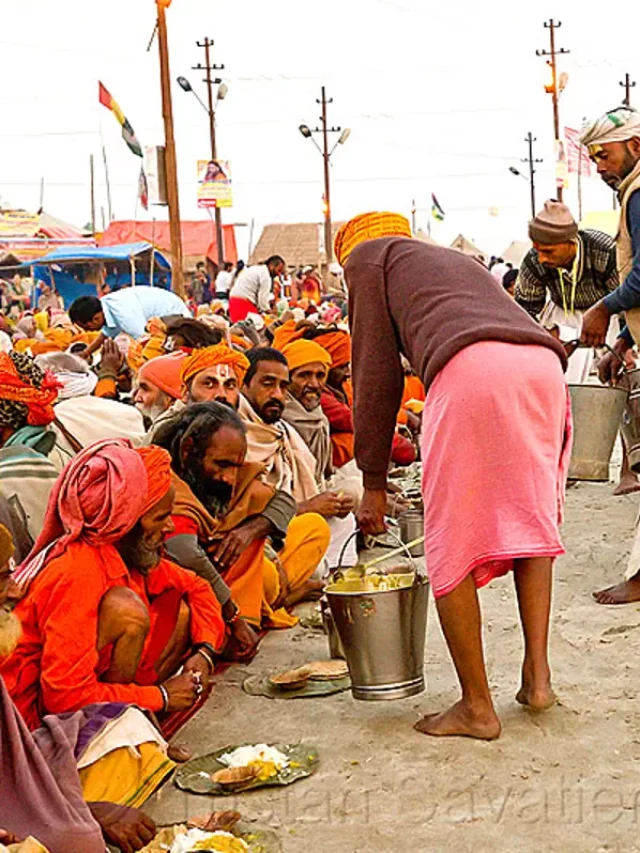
(344, 550)
(403, 546)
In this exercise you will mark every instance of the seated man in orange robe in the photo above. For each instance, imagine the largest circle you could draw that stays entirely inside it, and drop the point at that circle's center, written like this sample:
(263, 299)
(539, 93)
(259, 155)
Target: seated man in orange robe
(105, 617)
(218, 494)
(337, 400)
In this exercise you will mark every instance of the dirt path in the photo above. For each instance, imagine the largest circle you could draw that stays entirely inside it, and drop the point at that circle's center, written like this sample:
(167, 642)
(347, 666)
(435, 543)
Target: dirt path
(565, 781)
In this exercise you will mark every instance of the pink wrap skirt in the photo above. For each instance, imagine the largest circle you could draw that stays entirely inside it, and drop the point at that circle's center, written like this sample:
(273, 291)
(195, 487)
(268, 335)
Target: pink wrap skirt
(496, 443)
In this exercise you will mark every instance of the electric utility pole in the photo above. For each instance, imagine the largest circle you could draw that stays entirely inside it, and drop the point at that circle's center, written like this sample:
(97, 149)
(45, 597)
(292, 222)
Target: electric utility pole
(530, 139)
(208, 67)
(552, 88)
(627, 85)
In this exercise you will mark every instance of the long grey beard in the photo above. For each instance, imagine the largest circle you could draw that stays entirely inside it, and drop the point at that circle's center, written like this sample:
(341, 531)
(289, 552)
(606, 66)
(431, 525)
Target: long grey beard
(10, 632)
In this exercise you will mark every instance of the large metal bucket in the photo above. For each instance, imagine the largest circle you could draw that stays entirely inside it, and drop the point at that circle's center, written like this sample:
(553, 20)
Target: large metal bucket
(383, 636)
(597, 414)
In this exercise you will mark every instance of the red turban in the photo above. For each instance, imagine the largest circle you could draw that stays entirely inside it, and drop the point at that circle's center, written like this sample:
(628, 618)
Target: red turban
(157, 463)
(338, 345)
(164, 372)
(98, 498)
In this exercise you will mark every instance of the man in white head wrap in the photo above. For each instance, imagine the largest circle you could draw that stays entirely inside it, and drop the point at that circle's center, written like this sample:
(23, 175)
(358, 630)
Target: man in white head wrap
(82, 418)
(614, 146)
(613, 141)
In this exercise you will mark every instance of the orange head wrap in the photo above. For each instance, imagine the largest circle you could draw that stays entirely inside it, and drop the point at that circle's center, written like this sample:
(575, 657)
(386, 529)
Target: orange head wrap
(286, 333)
(338, 345)
(201, 359)
(299, 353)
(27, 393)
(165, 373)
(157, 463)
(368, 226)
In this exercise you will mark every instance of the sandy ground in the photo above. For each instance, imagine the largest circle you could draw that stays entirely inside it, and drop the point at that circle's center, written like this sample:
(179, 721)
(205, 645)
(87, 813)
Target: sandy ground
(568, 780)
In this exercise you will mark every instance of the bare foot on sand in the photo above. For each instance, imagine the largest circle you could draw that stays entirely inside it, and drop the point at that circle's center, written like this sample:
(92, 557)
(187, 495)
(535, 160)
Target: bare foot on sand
(628, 484)
(622, 593)
(536, 698)
(460, 719)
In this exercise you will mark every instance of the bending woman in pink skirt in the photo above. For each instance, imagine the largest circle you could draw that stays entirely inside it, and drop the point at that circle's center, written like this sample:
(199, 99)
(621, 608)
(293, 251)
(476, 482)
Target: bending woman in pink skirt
(495, 445)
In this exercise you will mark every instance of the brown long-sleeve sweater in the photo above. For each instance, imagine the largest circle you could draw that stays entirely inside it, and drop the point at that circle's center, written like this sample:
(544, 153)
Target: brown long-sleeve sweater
(428, 303)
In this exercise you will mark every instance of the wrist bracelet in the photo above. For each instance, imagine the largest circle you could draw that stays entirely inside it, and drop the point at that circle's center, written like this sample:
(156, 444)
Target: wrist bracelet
(165, 697)
(236, 616)
(207, 657)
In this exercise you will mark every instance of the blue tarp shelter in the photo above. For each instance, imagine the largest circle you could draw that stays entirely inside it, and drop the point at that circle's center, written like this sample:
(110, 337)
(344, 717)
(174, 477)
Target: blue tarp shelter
(75, 269)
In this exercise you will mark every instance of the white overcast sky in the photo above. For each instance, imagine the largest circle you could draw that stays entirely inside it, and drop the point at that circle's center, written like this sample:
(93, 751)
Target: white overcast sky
(439, 97)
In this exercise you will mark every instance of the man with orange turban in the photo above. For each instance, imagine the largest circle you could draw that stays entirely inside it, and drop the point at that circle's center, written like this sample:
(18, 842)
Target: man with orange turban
(214, 374)
(158, 386)
(337, 399)
(496, 442)
(105, 617)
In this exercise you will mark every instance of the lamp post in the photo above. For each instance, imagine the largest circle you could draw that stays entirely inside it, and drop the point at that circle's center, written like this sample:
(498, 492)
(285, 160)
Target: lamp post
(221, 94)
(325, 130)
(554, 87)
(171, 166)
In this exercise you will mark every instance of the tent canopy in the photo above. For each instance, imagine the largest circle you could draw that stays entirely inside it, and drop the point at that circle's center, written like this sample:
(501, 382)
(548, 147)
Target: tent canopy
(425, 238)
(87, 254)
(74, 270)
(468, 248)
(515, 252)
(198, 237)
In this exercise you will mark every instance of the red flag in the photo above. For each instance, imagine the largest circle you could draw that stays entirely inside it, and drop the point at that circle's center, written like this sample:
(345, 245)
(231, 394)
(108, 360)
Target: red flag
(143, 190)
(577, 155)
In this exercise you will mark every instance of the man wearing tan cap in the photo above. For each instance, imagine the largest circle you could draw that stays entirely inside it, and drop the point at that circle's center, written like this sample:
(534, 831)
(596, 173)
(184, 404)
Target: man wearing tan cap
(563, 275)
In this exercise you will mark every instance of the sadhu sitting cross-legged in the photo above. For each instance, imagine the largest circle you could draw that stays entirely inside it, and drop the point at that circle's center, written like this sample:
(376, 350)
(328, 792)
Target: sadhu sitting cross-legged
(105, 617)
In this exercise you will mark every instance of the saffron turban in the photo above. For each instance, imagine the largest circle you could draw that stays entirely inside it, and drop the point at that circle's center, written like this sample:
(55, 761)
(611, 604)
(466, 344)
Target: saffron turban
(165, 372)
(338, 345)
(157, 464)
(615, 126)
(201, 359)
(299, 353)
(285, 334)
(98, 499)
(27, 393)
(368, 226)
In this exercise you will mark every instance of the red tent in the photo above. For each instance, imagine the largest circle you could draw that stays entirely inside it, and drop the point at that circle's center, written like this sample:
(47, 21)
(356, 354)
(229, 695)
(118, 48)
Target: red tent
(198, 237)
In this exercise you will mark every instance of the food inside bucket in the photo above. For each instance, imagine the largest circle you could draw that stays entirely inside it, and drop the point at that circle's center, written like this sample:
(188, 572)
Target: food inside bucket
(370, 583)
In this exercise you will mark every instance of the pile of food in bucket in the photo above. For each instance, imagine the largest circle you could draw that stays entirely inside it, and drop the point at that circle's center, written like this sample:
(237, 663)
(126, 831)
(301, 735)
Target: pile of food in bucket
(355, 580)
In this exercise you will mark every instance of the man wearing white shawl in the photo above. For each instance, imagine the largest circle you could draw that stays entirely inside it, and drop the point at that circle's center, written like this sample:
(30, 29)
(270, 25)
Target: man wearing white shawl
(613, 141)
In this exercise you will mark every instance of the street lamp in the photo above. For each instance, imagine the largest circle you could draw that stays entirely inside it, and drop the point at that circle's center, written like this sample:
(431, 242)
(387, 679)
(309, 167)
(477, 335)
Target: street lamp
(308, 133)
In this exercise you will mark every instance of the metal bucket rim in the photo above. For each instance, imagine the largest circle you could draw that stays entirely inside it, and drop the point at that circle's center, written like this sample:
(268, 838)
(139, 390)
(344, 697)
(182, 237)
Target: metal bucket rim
(599, 387)
(420, 580)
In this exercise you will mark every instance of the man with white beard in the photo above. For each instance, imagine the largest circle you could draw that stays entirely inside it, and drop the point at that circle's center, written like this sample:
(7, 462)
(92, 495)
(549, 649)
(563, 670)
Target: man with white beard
(41, 793)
